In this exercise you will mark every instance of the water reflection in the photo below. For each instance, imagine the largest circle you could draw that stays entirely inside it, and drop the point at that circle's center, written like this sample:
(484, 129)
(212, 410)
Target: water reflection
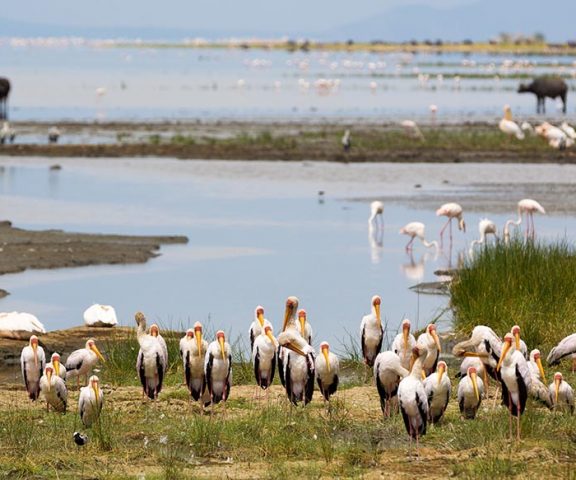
(376, 240)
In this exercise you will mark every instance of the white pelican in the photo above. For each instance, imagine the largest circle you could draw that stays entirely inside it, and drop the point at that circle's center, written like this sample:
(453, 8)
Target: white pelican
(100, 316)
(346, 141)
(388, 371)
(371, 332)
(485, 227)
(568, 130)
(193, 350)
(376, 213)
(57, 367)
(218, 369)
(430, 341)
(516, 381)
(416, 229)
(327, 369)
(403, 344)
(305, 327)
(290, 321)
(257, 326)
(151, 363)
(53, 134)
(529, 207)
(556, 137)
(299, 368)
(470, 392)
(562, 394)
(54, 390)
(487, 345)
(438, 388)
(412, 130)
(509, 126)
(527, 128)
(567, 346)
(264, 358)
(412, 397)
(19, 325)
(32, 363)
(451, 210)
(90, 401)
(82, 361)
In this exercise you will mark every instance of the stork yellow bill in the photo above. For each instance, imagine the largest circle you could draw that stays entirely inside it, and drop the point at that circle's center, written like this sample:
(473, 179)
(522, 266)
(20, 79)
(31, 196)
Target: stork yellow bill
(198, 336)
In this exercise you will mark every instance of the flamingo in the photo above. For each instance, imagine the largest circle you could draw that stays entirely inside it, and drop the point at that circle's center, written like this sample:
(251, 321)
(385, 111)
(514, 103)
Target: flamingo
(32, 363)
(562, 394)
(54, 390)
(372, 333)
(509, 126)
(403, 344)
(327, 369)
(90, 401)
(438, 388)
(485, 227)
(470, 392)
(451, 210)
(529, 207)
(413, 230)
(376, 212)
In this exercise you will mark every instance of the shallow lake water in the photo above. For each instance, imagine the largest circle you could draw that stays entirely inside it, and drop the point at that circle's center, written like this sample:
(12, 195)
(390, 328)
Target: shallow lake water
(258, 232)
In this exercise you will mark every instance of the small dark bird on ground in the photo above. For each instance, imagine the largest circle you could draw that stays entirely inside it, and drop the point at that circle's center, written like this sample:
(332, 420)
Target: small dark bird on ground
(80, 439)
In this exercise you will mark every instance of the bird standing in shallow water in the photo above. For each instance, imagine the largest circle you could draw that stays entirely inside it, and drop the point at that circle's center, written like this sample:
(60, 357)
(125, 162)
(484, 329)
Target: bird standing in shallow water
(529, 207)
(416, 230)
(376, 211)
(451, 210)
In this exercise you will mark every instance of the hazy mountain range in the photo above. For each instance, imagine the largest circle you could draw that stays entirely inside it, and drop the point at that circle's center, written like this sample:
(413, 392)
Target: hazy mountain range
(476, 21)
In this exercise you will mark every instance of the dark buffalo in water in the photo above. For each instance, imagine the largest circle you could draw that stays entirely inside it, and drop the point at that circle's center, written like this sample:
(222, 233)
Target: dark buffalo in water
(544, 87)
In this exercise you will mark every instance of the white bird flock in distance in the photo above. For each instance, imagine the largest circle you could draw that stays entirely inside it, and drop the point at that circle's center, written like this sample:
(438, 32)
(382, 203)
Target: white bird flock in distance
(100, 316)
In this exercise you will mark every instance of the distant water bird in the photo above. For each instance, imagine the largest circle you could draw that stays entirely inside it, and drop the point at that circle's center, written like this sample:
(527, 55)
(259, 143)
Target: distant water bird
(371, 332)
(470, 392)
(416, 230)
(152, 362)
(90, 401)
(264, 358)
(527, 128)
(451, 210)
(431, 342)
(568, 130)
(82, 361)
(100, 92)
(376, 213)
(257, 326)
(412, 130)
(438, 388)
(299, 367)
(509, 126)
(100, 316)
(373, 86)
(327, 369)
(403, 344)
(562, 394)
(218, 369)
(192, 351)
(32, 363)
(529, 207)
(566, 346)
(7, 134)
(555, 136)
(54, 390)
(433, 110)
(346, 141)
(4, 93)
(388, 372)
(53, 134)
(19, 325)
(412, 398)
(485, 227)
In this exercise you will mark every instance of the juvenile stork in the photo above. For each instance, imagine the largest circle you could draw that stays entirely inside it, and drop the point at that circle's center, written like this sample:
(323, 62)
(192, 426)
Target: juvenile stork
(516, 381)
(327, 370)
(430, 341)
(90, 401)
(54, 390)
(372, 333)
(193, 350)
(562, 394)
(470, 392)
(32, 362)
(218, 369)
(264, 358)
(299, 368)
(82, 361)
(413, 399)
(403, 344)
(388, 371)
(438, 388)
(151, 364)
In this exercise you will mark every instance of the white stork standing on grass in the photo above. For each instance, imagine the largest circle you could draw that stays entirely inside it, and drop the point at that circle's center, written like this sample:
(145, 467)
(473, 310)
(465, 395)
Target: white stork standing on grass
(305, 327)
(403, 344)
(413, 399)
(57, 367)
(372, 333)
(218, 369)
(388, 371)
(516, 381)
(299, 367)
(151, 364)
(470, 392)
(438, 388)
(264, 358)
(562, 394)
(82, 361)
(257, 326)
(327, 370)
(90, 401)
(54, 390)
(193, 350)
(32, 362)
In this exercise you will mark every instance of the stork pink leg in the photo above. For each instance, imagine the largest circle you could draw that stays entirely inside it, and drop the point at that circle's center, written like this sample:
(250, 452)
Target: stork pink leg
(409, 244)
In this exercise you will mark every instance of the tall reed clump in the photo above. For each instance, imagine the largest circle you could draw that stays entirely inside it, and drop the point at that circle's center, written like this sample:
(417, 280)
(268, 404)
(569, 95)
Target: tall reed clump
(532, 285)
